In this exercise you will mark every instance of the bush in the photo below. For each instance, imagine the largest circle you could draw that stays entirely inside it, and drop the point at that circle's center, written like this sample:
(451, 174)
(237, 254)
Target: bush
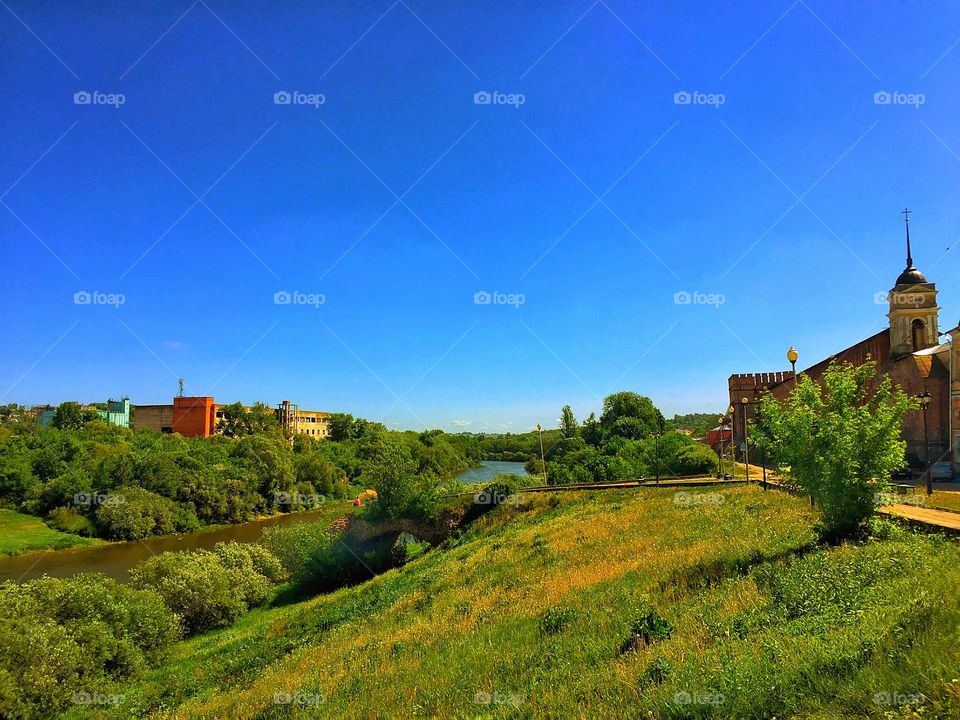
(67, 520)
(555, 620)
(651, 626)
(200, 589)
(694, 459)
(256, 557)
(500, 490)
(134, 513)
(295, 545)
(60, 637)
(407, 548)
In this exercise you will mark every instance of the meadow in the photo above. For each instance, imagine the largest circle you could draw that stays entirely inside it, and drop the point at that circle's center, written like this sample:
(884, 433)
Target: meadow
(649, 603)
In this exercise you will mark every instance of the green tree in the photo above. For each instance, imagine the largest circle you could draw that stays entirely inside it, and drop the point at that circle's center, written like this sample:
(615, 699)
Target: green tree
(841, 438)
(341, 426)
(591, 432)
(70, 416)
(238, 421)
(568, 423)
(642, 417)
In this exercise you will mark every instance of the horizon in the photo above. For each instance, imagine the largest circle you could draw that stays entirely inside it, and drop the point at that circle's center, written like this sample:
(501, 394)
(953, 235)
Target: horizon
(463, 218)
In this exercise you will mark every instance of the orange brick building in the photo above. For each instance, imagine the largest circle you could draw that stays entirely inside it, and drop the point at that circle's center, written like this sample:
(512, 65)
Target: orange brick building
(909, 351)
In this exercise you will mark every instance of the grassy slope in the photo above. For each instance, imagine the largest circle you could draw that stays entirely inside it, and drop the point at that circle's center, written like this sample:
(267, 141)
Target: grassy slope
(20, 533)
(816, 638)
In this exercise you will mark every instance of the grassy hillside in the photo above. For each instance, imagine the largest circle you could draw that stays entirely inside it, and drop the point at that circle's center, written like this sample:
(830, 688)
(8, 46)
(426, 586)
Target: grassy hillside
(21, 533)
(640, 603)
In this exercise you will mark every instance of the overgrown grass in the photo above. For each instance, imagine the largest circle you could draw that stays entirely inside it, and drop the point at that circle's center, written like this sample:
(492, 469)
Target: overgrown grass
(639, 603)
(21, 533)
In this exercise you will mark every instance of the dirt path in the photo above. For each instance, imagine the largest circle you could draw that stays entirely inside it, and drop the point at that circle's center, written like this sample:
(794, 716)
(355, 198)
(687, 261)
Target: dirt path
(936, 518)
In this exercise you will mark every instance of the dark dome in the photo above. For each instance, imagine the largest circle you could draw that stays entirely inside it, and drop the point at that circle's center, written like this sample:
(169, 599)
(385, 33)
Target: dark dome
(911, 276)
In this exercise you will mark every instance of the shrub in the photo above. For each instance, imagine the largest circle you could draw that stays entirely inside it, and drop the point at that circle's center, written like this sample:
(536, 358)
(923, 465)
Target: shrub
(694, 459)
(67, 520)
(295, 545)
(500, 490)
(650, 625)
(60, 637)
(199, 588)
(406, 548)
(134, 513)
(261, 560)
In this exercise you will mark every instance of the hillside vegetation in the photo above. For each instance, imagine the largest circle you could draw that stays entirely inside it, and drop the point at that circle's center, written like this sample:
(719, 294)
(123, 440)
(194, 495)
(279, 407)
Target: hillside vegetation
(636, 603)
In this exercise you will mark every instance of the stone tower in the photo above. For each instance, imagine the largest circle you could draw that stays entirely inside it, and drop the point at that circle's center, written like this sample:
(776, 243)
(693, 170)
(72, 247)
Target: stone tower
(913, 309)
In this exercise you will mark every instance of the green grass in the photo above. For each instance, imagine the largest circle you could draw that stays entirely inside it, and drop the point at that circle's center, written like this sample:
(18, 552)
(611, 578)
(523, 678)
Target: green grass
(607, 604)
(21, 533)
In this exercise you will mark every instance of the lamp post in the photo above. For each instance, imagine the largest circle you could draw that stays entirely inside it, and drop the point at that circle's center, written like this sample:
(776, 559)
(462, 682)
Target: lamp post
(746, 443)
(792, 357)
(720, 452)
(733, 446)
(925, 397)
(543, 460)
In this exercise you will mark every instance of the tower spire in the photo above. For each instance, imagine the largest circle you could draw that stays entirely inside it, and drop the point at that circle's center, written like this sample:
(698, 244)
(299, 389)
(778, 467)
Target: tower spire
(906, 221)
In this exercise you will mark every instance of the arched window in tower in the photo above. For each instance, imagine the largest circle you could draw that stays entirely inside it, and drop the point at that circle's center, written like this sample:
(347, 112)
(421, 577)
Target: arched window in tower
(918, 330)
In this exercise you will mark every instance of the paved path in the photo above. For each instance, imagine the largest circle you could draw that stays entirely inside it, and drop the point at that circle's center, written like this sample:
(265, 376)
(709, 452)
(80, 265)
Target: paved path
(936, 518)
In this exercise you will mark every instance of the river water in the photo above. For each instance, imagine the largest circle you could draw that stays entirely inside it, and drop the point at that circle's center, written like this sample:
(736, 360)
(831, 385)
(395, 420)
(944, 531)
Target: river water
(115, 559)
(489, 469)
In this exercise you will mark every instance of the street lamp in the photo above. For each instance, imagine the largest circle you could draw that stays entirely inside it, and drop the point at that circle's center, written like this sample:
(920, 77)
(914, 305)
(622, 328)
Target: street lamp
(543, 460)
(925, 397)
(720, 453)
(746, 443)
(733, 446)
(792, 357)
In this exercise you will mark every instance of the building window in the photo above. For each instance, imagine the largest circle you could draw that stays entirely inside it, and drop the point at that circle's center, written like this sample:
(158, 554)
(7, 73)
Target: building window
(917, 328)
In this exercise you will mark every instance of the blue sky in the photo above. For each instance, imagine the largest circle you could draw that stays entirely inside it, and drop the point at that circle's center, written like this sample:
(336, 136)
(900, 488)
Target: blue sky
(587, 194)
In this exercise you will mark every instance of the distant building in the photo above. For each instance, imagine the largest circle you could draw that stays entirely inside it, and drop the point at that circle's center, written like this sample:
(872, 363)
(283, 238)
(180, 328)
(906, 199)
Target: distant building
(909, 351)
(199, 417)
(117, 413)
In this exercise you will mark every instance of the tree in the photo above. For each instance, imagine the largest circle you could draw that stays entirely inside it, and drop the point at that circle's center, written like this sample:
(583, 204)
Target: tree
(644, 418)
(341, 426)
(70, 416)
(237, 421)
(591, 432)
(841, 438)
(568, 423)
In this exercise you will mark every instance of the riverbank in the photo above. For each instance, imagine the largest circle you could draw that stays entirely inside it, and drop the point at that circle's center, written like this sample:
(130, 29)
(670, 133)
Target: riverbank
(20, 534)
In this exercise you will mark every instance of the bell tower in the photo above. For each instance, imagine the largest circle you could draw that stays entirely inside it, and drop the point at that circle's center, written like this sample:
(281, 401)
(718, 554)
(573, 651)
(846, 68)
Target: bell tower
(913, 308)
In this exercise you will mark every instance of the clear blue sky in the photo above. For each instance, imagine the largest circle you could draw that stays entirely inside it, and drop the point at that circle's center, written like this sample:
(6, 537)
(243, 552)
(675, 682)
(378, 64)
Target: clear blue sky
(784, 198)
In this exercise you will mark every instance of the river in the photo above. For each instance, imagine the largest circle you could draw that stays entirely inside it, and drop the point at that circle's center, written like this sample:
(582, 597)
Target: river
(489, 469)
(115, 559)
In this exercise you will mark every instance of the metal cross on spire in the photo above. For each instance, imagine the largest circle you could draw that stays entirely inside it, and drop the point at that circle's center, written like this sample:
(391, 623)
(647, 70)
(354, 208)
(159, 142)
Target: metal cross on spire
(906, 221)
